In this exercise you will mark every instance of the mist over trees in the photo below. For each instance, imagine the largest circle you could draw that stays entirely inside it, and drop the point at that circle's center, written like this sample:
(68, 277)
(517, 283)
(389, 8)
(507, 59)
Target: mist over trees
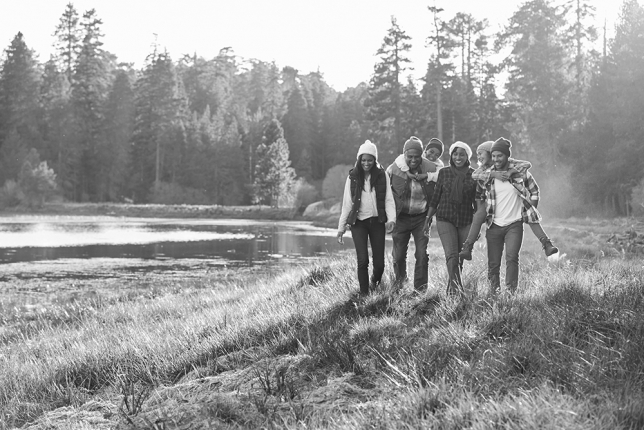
(235, 131)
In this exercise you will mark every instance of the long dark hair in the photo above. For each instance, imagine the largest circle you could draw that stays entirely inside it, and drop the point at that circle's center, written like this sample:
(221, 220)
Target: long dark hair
(359, 173)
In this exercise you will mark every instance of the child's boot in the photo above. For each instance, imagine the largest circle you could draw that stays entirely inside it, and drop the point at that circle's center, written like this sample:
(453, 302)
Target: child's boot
(466, 252)
(548, 247)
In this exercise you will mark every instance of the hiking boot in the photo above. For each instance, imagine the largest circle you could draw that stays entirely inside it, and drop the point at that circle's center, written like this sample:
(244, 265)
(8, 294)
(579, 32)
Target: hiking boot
(548, 247)
(466, 252)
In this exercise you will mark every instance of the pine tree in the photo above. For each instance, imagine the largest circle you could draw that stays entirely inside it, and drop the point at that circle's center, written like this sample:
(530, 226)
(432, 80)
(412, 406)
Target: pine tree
(615, 128)
(68, 43)
(274, 175)
(20, 108)
(319, 96)
(384, 105)
(538, 86)
(59, 127)
(160, 108)
(438, 68)
(90, 86)
(298, 131)
(118, 127)
(581, 35)
(467, 37)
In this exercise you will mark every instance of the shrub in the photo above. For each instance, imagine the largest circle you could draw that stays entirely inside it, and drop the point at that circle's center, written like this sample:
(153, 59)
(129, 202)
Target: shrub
(36, 180)
(336, 177)
(11, 195)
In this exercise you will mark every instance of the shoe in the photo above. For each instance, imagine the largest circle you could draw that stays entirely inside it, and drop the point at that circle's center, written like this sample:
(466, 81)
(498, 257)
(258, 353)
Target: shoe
(548, 247)
(466, 252)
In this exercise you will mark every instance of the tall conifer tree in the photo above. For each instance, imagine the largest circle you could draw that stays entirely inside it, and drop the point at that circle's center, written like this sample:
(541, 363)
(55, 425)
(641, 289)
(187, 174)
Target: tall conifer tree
(384, 105)
(20, 107)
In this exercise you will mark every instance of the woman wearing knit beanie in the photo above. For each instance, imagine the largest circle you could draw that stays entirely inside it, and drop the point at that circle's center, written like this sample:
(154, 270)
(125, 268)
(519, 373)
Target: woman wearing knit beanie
(369, 210)
(453, 203)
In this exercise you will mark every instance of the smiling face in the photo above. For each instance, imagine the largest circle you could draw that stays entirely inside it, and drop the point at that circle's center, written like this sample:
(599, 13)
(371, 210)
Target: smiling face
(432, 154)
(412, 158)
(459, 157)
(367, 161)
(500, 160)
(483, 157)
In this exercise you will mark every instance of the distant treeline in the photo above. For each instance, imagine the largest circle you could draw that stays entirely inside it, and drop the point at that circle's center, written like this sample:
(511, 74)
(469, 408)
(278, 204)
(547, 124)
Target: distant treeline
(233, 131)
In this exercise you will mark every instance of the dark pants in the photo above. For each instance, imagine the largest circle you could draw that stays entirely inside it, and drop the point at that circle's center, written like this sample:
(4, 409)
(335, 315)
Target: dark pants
(452, 239)
(407, 226)
(373, 231)
(510, 237)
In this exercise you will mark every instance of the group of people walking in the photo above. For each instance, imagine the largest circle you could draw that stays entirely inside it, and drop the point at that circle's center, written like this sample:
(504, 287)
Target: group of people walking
(404, 198)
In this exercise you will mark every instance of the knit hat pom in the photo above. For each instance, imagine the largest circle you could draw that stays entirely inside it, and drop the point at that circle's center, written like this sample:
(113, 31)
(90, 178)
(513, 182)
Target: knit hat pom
(368, 148)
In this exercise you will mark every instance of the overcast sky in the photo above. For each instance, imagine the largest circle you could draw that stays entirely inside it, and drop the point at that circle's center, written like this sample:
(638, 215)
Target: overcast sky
(337, 37)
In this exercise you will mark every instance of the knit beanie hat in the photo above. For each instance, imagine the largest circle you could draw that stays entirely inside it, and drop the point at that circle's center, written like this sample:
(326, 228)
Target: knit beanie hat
(435, 143)
(368, 148)
(413, 143)
(502, 145)
(462, 145)
(485, 146)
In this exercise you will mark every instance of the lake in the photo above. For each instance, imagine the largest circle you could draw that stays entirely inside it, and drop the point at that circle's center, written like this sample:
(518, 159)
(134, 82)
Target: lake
(220, 242)
(50, 261)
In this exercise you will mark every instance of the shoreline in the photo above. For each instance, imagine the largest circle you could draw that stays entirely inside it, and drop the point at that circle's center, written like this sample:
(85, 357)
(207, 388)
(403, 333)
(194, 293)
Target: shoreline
(172, 211)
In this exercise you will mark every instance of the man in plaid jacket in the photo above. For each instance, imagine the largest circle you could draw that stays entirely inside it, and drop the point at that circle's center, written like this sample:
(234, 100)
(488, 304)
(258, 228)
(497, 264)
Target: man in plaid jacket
(508, 205)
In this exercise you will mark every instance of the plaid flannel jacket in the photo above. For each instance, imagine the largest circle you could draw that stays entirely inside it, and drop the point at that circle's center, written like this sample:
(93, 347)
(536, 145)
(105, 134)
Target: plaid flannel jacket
(458, 214)
(483, 173)
(526, 187)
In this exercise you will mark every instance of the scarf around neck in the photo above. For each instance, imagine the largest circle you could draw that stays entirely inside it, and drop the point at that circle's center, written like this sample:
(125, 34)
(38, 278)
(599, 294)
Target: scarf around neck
(456, 194)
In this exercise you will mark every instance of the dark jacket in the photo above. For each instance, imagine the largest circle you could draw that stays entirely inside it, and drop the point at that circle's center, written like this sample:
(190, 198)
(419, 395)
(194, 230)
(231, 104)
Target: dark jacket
(356, 196)
(459, 214)
(400, 183)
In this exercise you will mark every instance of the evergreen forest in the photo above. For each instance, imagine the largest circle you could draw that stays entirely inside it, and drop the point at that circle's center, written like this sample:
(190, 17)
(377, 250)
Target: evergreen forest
(235, 131)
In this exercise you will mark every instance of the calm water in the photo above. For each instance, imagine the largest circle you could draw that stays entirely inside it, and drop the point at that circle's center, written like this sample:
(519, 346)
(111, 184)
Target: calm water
(230, 242)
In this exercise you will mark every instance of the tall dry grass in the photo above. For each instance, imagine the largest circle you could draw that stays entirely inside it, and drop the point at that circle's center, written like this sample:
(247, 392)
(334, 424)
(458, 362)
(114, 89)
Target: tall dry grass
(300, 350)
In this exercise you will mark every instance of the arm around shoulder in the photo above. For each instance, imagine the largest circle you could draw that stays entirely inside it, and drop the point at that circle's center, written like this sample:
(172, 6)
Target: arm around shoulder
(520, 166)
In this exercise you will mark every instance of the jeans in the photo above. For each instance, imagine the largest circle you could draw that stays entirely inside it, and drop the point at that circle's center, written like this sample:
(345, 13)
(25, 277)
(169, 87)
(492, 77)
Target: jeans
(373, 231)
(538, 231)
(407, 226)
(452, 239)
(510, 237)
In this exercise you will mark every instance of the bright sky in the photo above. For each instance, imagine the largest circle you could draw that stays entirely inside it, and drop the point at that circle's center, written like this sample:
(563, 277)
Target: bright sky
(337, 37)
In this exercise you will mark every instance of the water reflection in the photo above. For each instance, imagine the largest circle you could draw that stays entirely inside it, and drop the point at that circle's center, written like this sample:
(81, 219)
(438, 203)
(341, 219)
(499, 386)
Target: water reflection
(240, 242)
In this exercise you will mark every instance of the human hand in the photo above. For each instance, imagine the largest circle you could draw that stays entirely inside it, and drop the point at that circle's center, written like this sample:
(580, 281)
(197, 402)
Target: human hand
(427, 227)
(340, 236)
(512, 171)
(502, 176)
(389, 226)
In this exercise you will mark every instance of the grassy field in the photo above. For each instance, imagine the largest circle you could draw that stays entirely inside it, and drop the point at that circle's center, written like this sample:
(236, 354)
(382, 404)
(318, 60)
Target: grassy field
(297, 349)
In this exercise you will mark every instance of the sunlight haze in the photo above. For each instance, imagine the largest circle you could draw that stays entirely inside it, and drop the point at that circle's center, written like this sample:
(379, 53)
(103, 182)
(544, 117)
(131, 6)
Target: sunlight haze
(339, 38)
